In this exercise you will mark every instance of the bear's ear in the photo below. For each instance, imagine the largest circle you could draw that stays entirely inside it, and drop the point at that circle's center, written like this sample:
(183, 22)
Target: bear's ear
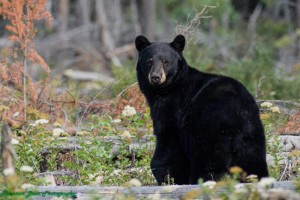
(141, 42)
(178, 43)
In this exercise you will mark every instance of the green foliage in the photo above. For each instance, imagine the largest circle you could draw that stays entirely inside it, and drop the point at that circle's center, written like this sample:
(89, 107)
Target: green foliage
(125, 76)
(185, 10)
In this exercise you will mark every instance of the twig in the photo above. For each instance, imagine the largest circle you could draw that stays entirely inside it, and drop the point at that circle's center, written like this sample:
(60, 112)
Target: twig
(193, 24)
(123, 91)
(36, 168)
(56, 173)
(287, 163)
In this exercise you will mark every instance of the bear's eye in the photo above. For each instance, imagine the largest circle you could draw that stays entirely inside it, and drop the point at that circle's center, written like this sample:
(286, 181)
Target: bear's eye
(165, 62)
(149, 62)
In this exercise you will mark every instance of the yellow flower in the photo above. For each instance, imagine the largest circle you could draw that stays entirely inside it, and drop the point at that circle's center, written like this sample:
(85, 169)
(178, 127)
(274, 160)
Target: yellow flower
(275, 109)
(266, 104)
(264, 116)
(236, 170)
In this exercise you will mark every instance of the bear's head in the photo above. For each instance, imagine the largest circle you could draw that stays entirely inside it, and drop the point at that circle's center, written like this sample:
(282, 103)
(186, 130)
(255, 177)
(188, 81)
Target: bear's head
(159, 63)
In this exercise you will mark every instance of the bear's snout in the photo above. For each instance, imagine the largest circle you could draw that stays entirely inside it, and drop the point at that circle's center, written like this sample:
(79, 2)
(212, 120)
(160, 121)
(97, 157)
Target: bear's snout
(155, 79)
(157, 75)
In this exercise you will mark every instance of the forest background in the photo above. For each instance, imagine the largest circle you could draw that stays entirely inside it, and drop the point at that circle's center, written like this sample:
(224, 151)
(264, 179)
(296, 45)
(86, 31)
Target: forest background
(72, 64)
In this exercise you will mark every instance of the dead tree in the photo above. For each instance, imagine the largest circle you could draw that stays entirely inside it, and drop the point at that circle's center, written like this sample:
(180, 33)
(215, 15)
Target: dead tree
(7, 150)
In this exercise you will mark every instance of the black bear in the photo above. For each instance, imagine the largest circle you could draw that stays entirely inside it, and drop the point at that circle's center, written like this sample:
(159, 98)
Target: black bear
(204, 123)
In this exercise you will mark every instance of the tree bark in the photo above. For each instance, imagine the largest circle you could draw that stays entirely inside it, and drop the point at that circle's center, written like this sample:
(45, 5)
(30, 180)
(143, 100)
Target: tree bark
(85, 11)
(106, 36)
(135, 17)
(146, 10)
(63, 14)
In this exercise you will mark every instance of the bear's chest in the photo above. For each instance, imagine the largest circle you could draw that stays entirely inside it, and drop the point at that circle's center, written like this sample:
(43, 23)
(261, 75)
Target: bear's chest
(171, 111)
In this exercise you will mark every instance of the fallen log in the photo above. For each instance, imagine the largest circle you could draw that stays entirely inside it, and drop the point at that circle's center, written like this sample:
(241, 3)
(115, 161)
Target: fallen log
(87, 76)
(282, 190)
(288, 143)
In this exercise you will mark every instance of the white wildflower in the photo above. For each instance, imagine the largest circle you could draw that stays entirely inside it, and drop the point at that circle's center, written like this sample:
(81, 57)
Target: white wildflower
(57, 132)
(116, 121)
(32, 124)
(126, 134)
(252, 178)
(8, 171)
(209, 184)
(16, 114)
(116, 172)
(240, 188)
(266, 182)
(27, 186)
(14, 141)
(135, 182)
(266, 104)
(128, 111)
(88, 142)
(41, 121)
(275, 109)
(239, 185)
(26, 168)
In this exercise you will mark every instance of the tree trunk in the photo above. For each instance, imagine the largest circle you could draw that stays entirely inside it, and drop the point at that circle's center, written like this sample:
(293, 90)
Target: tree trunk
(85, 11)
(117, 19)
(146, 11)
(63, 14)
(106, 37)
(135, 17)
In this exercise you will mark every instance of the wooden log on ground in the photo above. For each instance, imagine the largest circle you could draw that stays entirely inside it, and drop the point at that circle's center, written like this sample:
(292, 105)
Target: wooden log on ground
(282, 190)
(288, 143)
(73, 143)
(78, 75)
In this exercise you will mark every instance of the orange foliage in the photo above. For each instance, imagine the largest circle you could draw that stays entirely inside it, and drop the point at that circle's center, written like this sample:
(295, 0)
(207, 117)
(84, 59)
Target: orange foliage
(293, 126)
(22, 15)
(131, 96)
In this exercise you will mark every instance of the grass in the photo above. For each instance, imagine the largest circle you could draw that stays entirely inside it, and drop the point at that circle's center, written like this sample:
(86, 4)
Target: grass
(94, 160)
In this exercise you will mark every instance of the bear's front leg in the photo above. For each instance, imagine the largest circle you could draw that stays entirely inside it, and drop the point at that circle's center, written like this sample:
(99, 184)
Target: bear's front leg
(160, 162)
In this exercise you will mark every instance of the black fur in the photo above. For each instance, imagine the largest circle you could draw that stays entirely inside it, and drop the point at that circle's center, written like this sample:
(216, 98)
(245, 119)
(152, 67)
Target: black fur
(204, 124)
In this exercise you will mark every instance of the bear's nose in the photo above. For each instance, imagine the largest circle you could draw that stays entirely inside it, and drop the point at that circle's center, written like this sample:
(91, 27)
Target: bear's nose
(155, 79)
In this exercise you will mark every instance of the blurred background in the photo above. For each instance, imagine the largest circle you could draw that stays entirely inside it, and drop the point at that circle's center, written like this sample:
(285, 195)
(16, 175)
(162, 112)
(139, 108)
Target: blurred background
(91, 43)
